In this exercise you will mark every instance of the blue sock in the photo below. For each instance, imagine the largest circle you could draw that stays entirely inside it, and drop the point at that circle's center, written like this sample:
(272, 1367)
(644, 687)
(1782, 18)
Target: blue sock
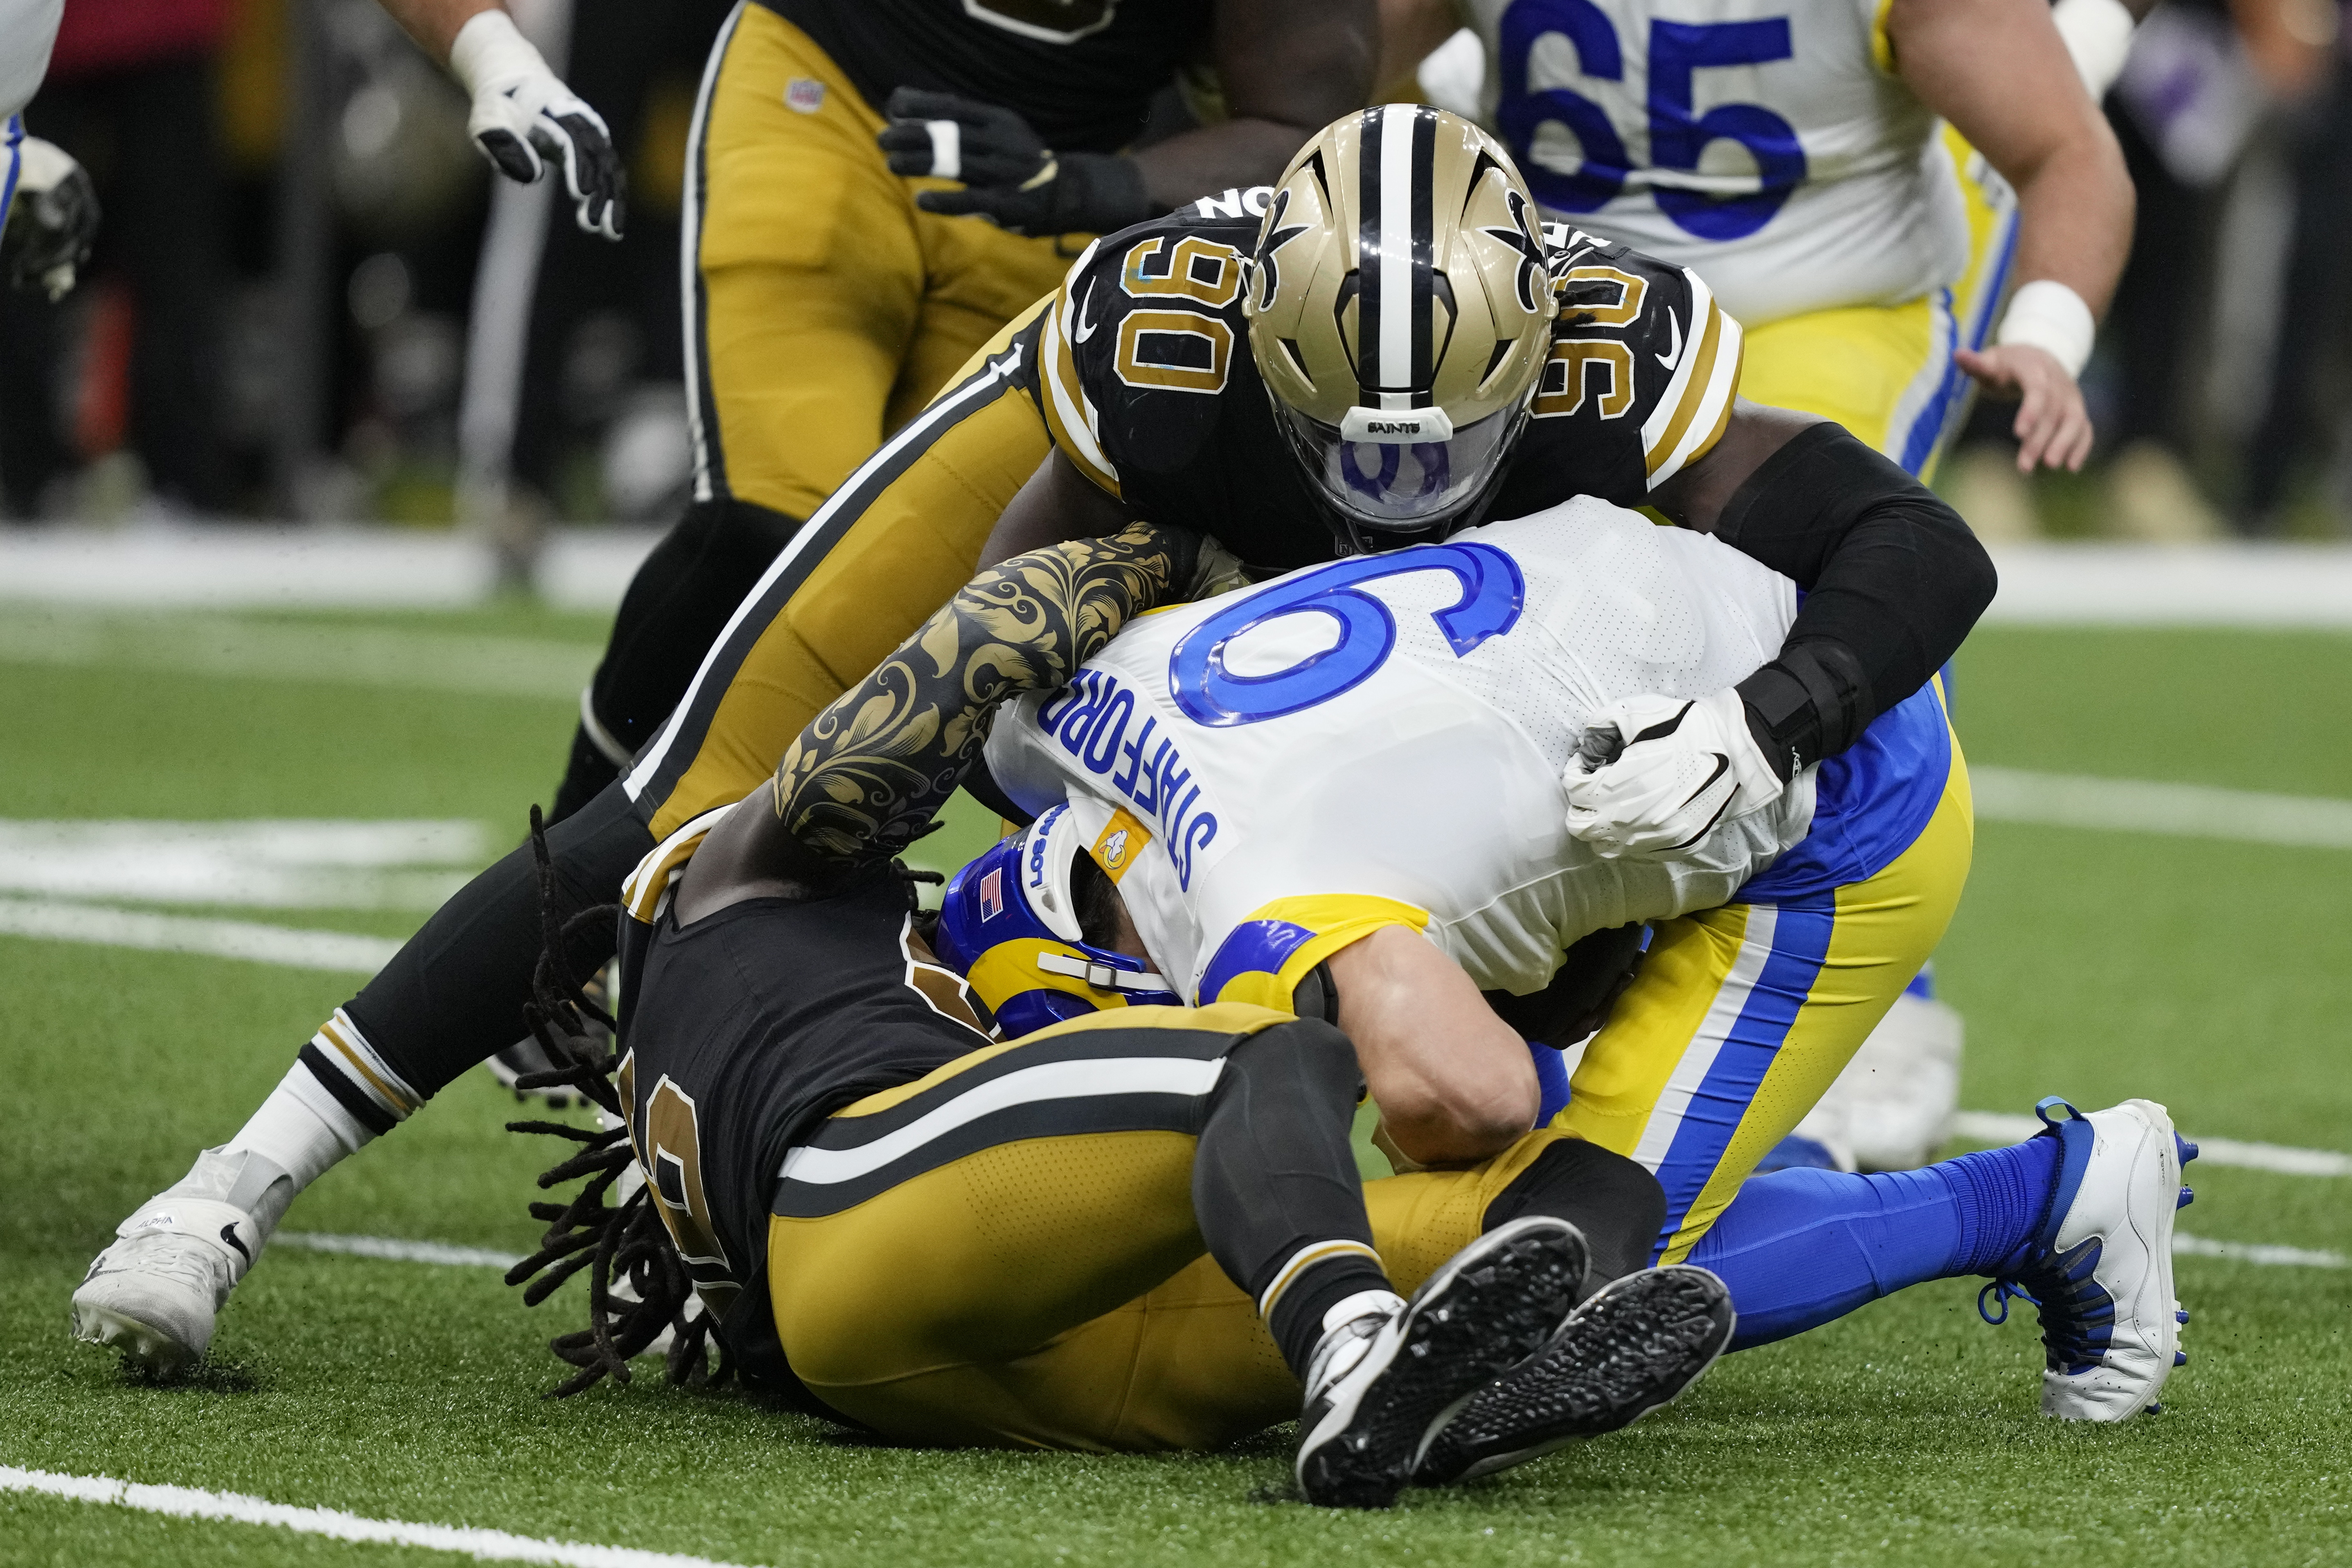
(1802, 1247)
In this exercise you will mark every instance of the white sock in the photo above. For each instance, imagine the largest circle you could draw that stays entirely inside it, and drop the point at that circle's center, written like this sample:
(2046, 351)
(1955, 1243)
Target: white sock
(301, 1129)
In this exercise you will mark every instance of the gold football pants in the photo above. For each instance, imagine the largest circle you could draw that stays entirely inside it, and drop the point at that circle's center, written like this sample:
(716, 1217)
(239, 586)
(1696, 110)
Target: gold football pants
(825, 308)
(1016, 1264)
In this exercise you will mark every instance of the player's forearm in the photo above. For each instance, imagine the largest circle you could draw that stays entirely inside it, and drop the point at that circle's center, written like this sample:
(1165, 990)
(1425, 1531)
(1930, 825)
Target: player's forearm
(1232, 153)
(1894, 581)
(2001, 72)
(2074, 216)
(433, 24)
(1454, 1082)
(866, 776)
(1288, 68)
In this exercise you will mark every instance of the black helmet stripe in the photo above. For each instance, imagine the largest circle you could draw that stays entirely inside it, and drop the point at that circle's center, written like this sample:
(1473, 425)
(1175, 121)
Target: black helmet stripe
(1396, 252)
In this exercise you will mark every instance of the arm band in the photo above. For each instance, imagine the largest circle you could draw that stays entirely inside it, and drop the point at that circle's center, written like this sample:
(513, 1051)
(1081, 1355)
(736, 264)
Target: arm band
(864, 776)
(1894, 581)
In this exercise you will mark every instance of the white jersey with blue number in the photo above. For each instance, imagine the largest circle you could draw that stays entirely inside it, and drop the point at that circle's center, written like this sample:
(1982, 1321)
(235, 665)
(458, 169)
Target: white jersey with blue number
(1394, 728)
(1766, 144)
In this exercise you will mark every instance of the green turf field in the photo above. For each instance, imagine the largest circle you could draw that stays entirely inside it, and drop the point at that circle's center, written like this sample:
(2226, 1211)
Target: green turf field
(2211, 974)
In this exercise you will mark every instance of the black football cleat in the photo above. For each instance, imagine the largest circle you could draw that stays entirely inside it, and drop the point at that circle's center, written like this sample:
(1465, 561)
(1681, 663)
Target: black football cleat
(1636, 1344)
(1381, 1385)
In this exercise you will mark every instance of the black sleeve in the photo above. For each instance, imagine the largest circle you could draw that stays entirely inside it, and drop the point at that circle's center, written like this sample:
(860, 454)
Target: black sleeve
(1893, 582)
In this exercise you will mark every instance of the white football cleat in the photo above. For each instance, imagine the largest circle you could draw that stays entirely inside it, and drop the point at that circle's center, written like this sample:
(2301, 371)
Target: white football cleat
(156, 1292)
(2101, 1271)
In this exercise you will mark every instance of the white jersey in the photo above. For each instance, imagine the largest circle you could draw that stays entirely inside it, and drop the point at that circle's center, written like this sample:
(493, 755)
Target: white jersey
(28, 29)
(1767, 144)
(1379, 740)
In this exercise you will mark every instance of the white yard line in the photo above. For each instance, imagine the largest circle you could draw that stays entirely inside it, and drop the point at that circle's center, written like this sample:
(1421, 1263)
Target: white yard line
(261, 650)
(292, 946)
(395, 1249)
(300, 863)
(2095, 584)
(2186, 1245)
(2000, 1127)
(304, 568)
(2145, 805)
(187, 1502)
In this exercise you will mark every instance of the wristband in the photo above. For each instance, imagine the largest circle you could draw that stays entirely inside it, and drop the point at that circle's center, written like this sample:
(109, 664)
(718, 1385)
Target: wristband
(2049, 315)
(490, 48)
(2098, 34)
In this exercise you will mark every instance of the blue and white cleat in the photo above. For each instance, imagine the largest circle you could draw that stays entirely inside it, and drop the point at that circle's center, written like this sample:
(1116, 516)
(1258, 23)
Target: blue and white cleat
(2101, 1270)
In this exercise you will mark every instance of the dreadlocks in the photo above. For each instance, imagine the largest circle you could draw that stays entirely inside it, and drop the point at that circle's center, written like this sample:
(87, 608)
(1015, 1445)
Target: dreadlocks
(638, 1286)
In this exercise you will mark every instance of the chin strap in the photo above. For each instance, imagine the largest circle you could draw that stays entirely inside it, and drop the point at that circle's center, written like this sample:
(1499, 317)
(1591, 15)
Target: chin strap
(1807, 704)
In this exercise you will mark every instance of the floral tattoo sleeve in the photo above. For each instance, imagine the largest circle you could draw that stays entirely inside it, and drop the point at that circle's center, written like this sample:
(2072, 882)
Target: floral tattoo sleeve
(863, 779)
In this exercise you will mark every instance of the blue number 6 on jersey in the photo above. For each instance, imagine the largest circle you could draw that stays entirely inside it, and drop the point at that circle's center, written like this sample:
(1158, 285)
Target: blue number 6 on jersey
(1493, 593)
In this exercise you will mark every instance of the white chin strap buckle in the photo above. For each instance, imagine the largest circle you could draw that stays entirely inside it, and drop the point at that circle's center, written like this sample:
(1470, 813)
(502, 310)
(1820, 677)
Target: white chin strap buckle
(1101, 976)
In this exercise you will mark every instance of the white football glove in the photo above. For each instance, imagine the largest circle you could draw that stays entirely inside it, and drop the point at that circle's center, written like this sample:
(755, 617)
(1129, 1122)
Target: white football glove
(1656, 774)
(523, 115)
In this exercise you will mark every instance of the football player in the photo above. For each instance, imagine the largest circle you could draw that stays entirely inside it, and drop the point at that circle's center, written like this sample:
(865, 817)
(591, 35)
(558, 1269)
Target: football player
(1860, 185)
(873, 189)
(1066, 925)
(909, 1228)
(1401, 243)
(1793, 155)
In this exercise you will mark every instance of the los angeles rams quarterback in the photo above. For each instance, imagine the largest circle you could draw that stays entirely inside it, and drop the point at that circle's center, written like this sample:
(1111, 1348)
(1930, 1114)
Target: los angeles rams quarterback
(1422, 354)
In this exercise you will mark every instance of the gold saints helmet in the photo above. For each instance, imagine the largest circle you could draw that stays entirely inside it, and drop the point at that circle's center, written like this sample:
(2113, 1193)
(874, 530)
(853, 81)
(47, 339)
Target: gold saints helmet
(1401, 316)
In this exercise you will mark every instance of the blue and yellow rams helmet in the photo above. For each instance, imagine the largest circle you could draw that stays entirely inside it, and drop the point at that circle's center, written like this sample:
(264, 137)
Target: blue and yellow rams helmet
(1009, 922)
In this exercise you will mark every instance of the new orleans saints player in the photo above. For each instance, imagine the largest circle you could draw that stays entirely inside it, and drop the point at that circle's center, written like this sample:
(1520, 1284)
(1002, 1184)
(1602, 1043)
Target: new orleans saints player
(835, 276)
(1561, 367)
(908, 1227)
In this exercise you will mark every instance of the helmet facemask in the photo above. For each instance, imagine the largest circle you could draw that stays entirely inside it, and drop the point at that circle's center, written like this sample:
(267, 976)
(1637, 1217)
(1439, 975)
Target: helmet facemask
(1400, 315)
(1021, 922)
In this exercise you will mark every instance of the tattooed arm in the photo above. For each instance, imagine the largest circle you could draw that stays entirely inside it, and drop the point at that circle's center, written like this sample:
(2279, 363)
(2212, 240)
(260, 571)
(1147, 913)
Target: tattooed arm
(864, 776)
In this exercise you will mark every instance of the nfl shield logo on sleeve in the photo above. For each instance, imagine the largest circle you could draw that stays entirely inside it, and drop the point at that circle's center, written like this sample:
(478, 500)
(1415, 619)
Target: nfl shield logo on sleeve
(804, 95)
(992, 895)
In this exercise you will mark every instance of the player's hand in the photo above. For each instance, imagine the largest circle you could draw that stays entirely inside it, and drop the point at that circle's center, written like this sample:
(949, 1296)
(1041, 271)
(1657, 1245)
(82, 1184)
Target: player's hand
(1656, 774)
(2053, 426)
(524, 118)
(1218, 571)
(52, 221)
(1010, 176)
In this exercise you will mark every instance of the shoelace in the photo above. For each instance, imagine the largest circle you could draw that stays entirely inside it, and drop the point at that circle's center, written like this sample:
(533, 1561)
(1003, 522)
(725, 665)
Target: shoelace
(2077, 1315)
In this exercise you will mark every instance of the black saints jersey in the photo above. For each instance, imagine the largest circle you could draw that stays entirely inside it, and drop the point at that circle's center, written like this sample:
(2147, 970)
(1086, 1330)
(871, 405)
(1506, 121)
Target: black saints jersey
(744, 1030)
(1146, 380)
(1081, 72)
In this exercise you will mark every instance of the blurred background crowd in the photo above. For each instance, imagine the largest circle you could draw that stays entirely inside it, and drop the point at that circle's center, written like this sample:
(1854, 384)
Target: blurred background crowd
(308, 301)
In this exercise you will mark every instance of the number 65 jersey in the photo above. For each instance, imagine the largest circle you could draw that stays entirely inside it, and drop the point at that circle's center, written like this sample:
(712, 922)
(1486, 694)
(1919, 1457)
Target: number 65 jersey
(1768, 144)
(1272, 775)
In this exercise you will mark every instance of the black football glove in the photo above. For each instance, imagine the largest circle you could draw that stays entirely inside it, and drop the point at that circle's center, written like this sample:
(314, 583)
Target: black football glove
(51, 223)
(1009, 175)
